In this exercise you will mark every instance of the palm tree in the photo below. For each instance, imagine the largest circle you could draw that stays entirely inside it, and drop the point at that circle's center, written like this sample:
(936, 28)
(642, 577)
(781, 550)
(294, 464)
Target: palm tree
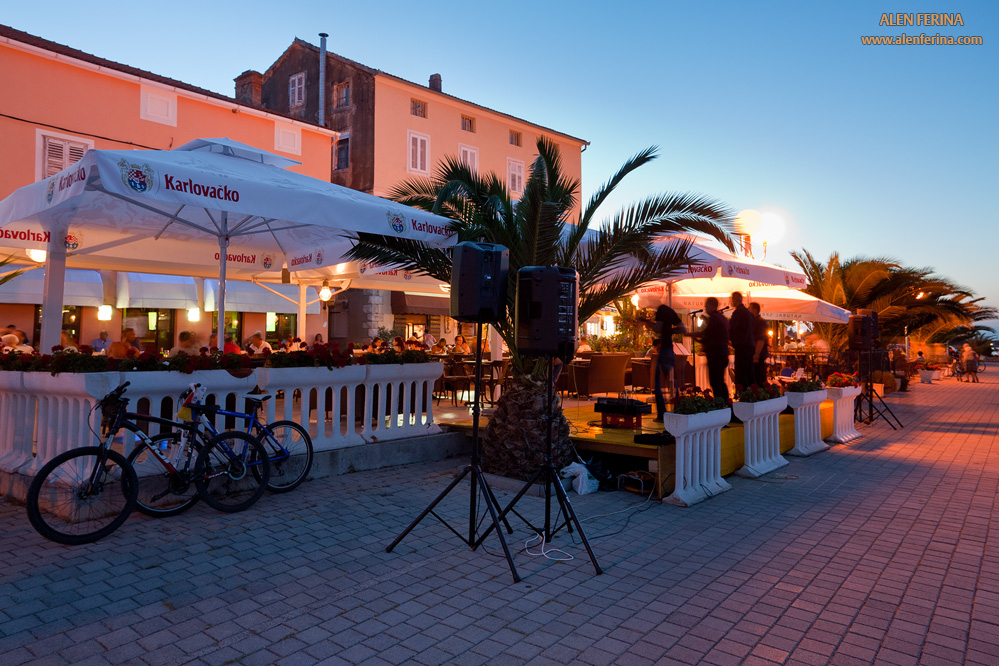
(612, 260)
(908, 300)
(7, 277)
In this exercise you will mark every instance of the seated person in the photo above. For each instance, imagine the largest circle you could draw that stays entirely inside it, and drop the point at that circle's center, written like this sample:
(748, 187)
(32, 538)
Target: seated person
(187, 344)
(67, 343)
(397, 344)
(120, 349)
(460, 346)
(583, 345)
(8, 343)
(257, 344)
(440, 347)
(230, 346)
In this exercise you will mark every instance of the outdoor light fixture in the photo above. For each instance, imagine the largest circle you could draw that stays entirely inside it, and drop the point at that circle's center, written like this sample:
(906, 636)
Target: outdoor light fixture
(194, 314)
(634, 300)
(104, 313)
(153, 316)
(325, 294)
(37, 255)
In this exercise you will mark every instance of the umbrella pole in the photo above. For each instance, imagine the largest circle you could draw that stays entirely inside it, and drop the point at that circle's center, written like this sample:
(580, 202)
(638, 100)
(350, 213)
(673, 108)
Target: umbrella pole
(223, 252)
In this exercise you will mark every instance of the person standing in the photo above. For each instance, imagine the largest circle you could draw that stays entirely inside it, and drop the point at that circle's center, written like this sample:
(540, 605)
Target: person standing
(761, 351)
(740, 329)
(666, 323)
(969, 357)
(714, 341)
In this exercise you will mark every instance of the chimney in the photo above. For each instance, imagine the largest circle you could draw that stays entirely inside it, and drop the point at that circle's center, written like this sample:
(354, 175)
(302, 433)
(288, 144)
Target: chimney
(322, 78)
(435, 82)
(248, 87)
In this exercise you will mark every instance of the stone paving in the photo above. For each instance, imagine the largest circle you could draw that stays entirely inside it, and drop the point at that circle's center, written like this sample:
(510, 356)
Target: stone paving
(885, 550)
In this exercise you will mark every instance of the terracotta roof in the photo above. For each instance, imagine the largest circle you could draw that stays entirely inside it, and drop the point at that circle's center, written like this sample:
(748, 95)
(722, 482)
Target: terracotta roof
(426, 89)
(61, 49)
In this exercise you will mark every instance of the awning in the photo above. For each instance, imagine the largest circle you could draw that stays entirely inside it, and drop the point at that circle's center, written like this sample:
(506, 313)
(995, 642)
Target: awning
(82, 288)
(407, 302)
(158, 292)
(249, 297)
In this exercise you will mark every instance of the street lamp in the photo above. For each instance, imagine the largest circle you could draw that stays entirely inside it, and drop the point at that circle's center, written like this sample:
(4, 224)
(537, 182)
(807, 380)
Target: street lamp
(325, 294)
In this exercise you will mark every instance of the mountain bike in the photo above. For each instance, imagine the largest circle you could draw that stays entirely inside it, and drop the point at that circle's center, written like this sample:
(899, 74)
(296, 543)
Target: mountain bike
(288, 444)
(86, 493)
(230, 470)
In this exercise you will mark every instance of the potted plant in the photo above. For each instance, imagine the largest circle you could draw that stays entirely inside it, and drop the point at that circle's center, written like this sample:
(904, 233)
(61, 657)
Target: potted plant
(696, 422)
(928, 373)
(843, 390)
(759, 408)
(805, 397)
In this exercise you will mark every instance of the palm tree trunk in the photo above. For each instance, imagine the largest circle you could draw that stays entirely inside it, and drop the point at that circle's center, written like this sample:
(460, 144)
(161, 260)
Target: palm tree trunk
(514, 441)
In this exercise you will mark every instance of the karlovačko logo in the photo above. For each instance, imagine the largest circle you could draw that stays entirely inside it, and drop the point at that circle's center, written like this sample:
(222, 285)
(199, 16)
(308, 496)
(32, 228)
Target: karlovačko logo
(267, 261)
(407, 275)
(138, 177)
(362, 268)
(319, 257)
(396, 221)
(50, 191)
(787, 278)
(74, 241)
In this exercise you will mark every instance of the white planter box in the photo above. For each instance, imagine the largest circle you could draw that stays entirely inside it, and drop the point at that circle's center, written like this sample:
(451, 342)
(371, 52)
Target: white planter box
(807, 422)
(926, 376)
(843, 399)
(698, 455)
(761, 441)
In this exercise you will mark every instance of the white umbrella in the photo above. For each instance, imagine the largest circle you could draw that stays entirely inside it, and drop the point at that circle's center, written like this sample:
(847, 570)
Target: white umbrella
(776, 303)
(212, 206)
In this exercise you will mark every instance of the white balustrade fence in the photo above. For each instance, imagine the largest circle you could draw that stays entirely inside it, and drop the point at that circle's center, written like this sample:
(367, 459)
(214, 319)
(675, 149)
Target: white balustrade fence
(807, 422)
(43, 415)
(843, 400)
(698, 455)
(761, 436)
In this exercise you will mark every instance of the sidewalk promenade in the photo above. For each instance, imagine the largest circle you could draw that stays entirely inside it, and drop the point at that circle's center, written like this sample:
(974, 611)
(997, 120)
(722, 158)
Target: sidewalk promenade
(885, 550)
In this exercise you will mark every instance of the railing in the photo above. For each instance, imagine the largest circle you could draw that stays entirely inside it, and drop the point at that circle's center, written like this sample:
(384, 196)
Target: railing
(43, 415)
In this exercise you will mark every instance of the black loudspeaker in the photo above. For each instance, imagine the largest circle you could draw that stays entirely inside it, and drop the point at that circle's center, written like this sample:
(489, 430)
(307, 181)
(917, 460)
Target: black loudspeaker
(859, 332)
(479, 277)
(873, 314)
(546, 311)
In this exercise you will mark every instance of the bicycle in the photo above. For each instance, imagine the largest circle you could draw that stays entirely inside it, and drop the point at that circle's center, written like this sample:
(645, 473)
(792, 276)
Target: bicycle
(86, 493)
(288, 444)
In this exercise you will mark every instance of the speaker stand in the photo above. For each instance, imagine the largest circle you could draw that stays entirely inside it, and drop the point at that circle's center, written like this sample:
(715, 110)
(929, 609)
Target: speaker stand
(865, 411)
(549, 476)
(478, 485)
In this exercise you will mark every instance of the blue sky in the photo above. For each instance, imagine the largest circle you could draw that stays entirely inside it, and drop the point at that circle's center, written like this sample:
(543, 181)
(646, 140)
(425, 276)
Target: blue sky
(774, 106)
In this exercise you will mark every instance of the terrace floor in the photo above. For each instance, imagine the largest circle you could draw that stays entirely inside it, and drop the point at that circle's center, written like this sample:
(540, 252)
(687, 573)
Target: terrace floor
(885, 550)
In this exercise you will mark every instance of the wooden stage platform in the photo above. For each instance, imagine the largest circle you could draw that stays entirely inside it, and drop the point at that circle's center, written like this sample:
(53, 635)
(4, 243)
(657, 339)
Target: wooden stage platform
(589, 437)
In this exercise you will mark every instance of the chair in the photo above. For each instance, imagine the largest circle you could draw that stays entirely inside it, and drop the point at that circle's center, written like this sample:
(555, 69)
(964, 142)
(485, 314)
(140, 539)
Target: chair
(455, 379)
(641, 372)
(603, 374)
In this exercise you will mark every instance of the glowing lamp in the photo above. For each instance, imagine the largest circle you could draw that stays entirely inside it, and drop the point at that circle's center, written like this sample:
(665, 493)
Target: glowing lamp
(325, 294)
(104, 313)
(194, 314)
(634, 300)
(37, 255)
(153, 316)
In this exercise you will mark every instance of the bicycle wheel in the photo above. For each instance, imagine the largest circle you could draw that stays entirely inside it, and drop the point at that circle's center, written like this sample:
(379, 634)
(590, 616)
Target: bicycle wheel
(981, 367)
(289, 448)
(223, 476)
(81, 495)
(163, 493)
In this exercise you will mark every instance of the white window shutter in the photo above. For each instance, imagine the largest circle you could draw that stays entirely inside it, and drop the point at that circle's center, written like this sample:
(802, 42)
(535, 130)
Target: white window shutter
(55, 156)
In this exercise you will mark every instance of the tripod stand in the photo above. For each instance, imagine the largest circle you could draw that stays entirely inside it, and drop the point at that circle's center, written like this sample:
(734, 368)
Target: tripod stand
(549, 476)
(477, 479)
(864, 410)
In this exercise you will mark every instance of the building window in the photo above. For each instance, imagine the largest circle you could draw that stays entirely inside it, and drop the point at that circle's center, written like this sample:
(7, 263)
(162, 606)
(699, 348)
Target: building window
(468, 123)
(342, 154)
(296, 90)
(55, 152)
(515, 175)
(418, 146)
(516, 139)
(469, 156)
(418, 108)
(341, 95)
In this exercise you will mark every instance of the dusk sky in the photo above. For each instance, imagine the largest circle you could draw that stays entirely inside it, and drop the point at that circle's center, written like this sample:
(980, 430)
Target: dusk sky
(775, 106)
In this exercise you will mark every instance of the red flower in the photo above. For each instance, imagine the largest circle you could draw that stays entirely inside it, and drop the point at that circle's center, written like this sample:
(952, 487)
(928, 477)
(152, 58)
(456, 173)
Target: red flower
(132, 352)
(57, 348)
(86, 349)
